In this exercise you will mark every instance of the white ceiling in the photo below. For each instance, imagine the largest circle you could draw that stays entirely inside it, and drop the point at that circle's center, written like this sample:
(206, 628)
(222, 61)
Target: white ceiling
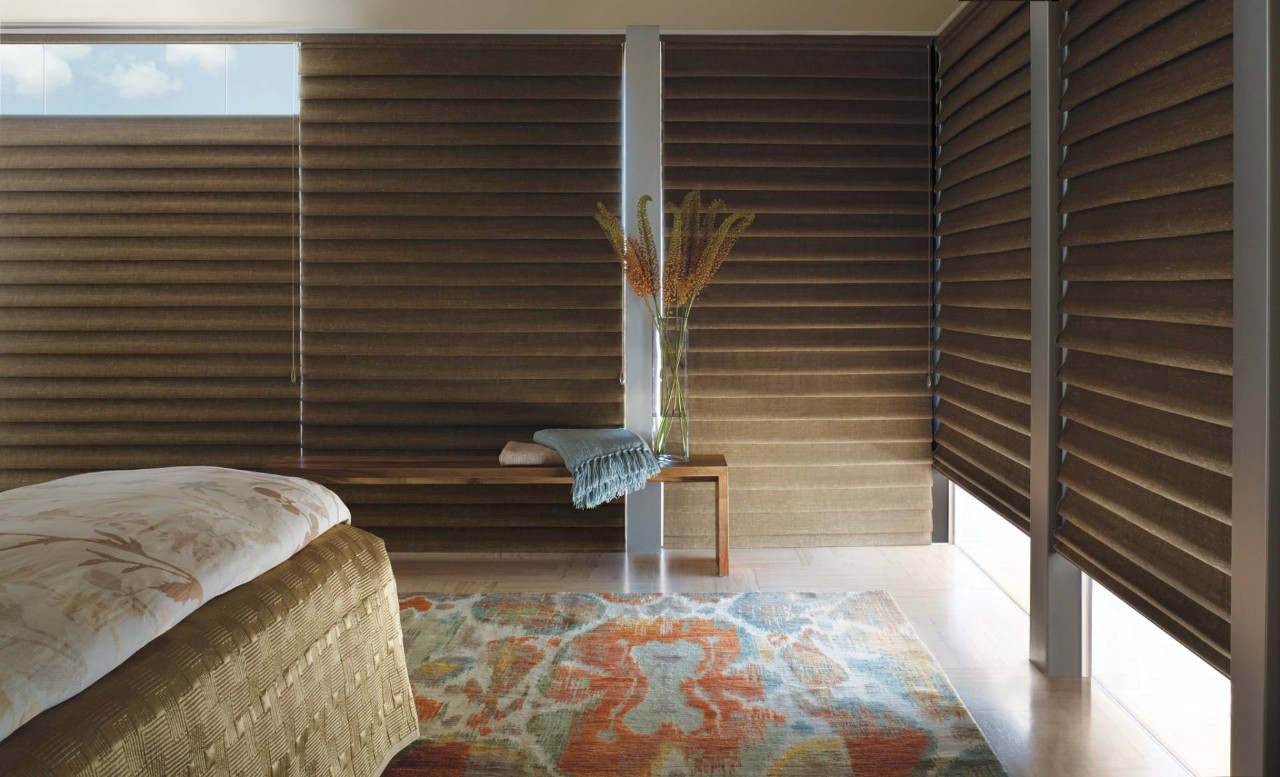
(836, 16)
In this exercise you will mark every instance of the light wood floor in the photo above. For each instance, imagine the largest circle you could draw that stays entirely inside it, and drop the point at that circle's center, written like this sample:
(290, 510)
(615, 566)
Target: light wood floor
(1038, 726)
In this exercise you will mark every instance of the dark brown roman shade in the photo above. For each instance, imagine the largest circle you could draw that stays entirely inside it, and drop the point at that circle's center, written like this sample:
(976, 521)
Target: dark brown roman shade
(147, 292)
(1147, 441)
(809, 353)
(983, 300)
(457, 293)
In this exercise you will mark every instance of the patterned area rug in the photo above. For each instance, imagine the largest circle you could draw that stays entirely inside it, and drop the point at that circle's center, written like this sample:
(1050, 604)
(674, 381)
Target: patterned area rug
(722, 685)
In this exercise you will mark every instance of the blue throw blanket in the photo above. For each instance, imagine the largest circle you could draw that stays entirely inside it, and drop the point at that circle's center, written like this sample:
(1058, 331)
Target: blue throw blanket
(606, 463)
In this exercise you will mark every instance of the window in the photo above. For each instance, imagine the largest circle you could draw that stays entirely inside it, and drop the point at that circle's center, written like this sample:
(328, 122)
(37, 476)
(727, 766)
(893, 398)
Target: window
(995, 545)
(149, 79)
(1179, 698)
(148, 256)
(1182, 700)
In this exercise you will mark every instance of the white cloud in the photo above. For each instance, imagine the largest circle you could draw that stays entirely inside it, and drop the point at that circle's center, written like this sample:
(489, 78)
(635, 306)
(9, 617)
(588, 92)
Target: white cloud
(24, 65)
(212, 57)
(142, 79)
(34, 68)
(69, 51)
(57, 72)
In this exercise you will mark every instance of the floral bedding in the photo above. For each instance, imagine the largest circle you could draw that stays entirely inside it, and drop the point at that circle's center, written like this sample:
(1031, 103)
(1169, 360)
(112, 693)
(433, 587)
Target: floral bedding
(93, 567)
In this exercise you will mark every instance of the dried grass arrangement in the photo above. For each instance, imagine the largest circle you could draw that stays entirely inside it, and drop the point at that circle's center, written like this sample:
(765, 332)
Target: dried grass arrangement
(698, 247)
(700, 243)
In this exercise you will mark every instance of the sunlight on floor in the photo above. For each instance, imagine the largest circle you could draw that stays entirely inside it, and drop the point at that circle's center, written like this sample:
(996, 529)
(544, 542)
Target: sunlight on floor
(995, 545)
(1181, 700)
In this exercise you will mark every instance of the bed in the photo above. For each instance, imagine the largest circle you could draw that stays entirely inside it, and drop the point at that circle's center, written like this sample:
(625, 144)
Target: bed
(193, 621)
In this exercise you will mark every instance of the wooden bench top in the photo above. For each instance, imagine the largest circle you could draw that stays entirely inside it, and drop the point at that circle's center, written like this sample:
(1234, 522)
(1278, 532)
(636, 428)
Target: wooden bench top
(463, 470)
(485, 470)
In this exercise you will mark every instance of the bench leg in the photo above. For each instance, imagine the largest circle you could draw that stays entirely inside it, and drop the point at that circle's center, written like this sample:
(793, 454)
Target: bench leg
(722, 525)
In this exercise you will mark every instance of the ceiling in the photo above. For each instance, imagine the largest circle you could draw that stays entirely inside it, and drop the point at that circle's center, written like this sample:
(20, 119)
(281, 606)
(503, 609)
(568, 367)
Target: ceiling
(837, 16)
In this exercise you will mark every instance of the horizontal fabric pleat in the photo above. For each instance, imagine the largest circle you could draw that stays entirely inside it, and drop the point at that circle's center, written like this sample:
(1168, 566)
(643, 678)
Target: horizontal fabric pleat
(798, 87)
(982, 486)
(1181, 302)
(837, 385)
(353, 110)
(1147, 166)
(1011, 443)
(771, 155)
(997, 483)
(1005, 179)
(964, 115)
(997, 295)
(987, 240)
(982, 272)
(999, 266)
(1165, 605)
(1084, 16)
(1202, 72)
(1190, 440)
(1204, 348)
(1001, 381)
(999, 167)
(800, 178)
(809, 352)
(1186, 258)
(836, 409)
(449, 87)
(992, 125)
(1000, 475)
(501, 56)
(800, 57)
(852, 317)
(148, 272)
(1179, 481)
(1185, 124)
(1015, 324)
(851, 362)
(1203, 166)
(996, 351)
(1127, 20)
(968, 30)
(958, 88)
(1202, 395)
(992, 407)
(1201, 23)
(1174, 523)
(1186, 213)
(1003, 209)
(906, 338)
(457, 293)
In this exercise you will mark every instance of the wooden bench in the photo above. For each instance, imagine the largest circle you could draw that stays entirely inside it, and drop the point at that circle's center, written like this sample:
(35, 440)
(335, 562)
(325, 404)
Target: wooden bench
(453, 471)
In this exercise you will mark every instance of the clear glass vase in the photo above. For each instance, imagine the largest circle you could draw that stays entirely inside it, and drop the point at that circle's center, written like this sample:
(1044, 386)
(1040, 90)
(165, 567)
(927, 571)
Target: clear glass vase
(671, 373)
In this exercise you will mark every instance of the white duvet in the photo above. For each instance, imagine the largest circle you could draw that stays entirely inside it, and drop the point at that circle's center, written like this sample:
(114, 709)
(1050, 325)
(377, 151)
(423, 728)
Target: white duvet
(93, 567)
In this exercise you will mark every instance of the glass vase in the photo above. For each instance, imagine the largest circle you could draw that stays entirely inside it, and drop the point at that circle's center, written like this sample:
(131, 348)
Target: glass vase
(671, 373)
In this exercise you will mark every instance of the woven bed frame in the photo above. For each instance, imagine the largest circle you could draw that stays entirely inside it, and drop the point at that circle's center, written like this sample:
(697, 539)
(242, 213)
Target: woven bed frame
(300, 671)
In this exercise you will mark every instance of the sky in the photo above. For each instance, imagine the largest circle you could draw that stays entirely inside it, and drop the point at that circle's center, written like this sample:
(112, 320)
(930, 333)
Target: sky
(129, 79)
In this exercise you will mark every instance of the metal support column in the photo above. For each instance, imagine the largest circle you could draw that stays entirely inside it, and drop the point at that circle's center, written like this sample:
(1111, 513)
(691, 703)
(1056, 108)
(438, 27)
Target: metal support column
(942, 509)
(641, 174)
(1255, 484)
(1056, 626)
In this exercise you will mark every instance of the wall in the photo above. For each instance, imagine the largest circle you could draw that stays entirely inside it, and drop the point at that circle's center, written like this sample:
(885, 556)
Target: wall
(919, 16)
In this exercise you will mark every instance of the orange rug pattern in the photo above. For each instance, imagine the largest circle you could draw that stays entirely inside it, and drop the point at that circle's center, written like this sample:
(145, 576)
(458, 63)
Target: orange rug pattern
(652, 685)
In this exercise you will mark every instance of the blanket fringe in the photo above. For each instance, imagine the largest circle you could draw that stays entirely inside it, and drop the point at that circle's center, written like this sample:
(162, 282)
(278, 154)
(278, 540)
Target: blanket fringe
(605, 478)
